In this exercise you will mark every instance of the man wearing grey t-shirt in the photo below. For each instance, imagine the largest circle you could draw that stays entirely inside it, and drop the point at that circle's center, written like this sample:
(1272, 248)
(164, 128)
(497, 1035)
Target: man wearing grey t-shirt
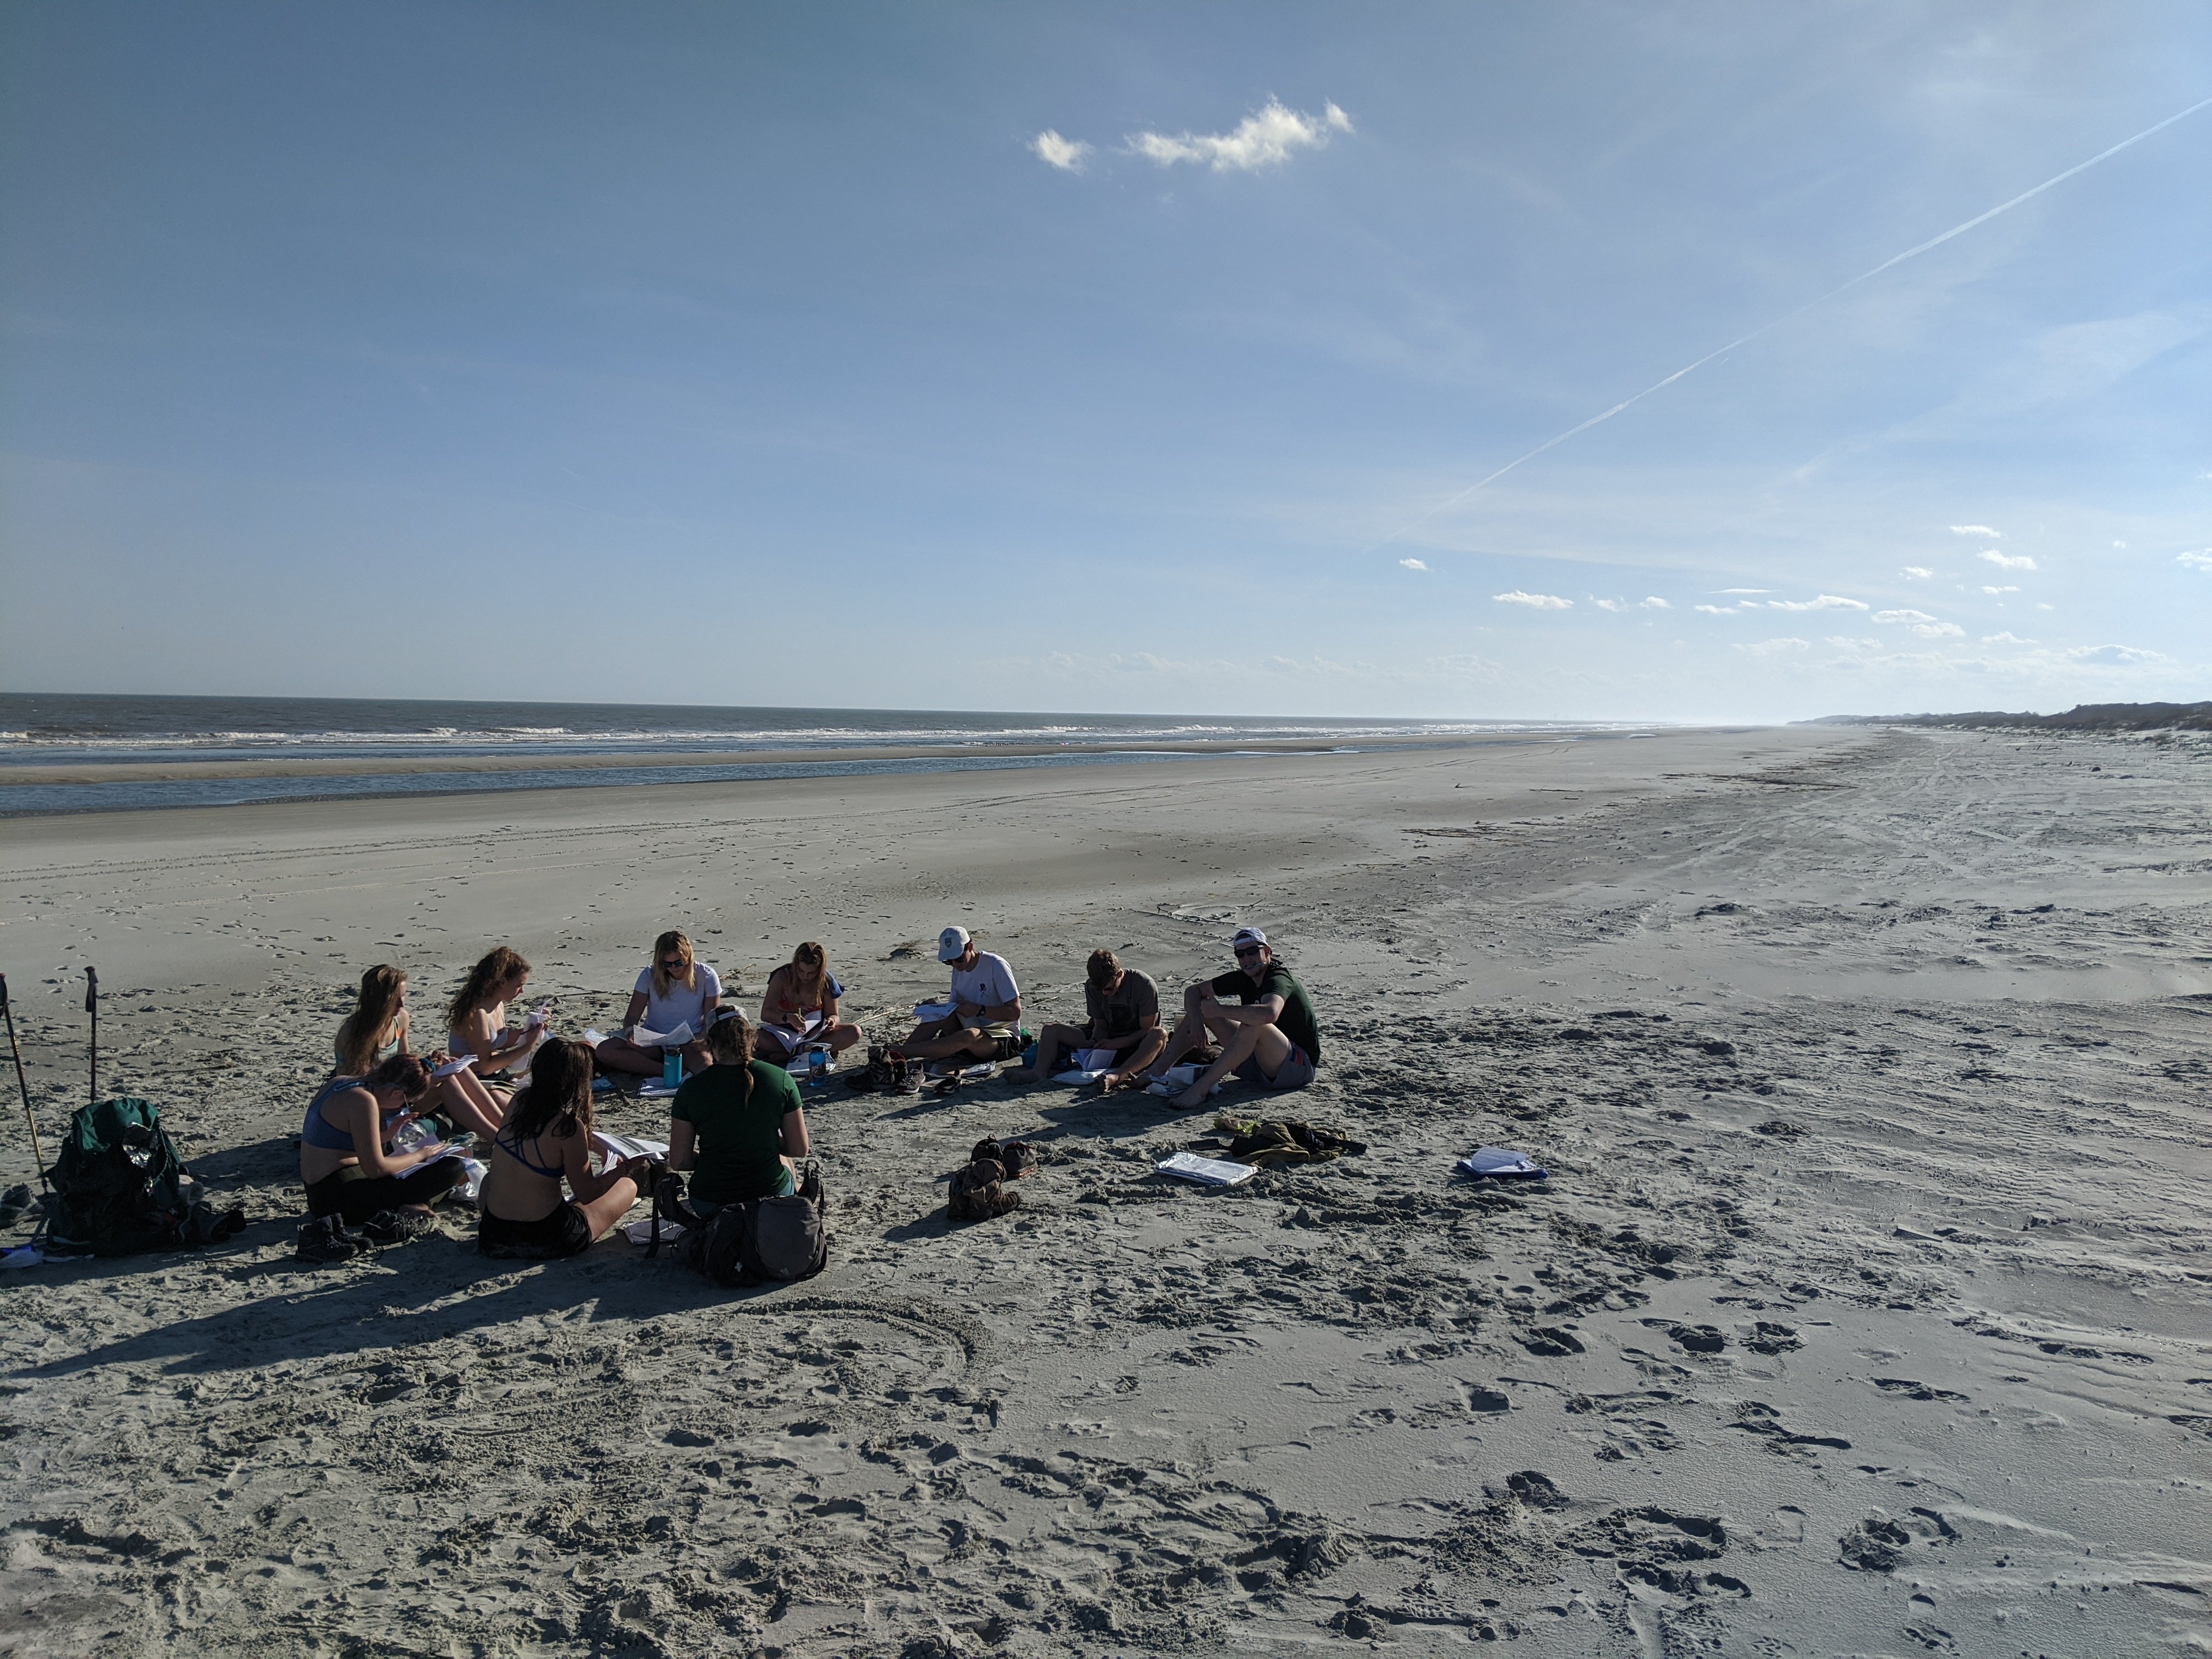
(1124, 1006)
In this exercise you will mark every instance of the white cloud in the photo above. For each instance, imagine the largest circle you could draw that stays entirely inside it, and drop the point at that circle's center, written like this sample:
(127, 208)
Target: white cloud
(2006, 561)
(1539, 601)
(1412, 564)
(2119, 543)
(1938, 630)
(1055, 151)
(1653, 602)
(1981, 530)
(1903, 617)
(1718, 610)
(1771, 648)
(1609, 604)
(2000, 590)
(2005, 639)
(1743, 590)
(1919, 572)
(2039, 605)
(1825, 602)
(1845, 642)
(2113, 656)
(1266, 139)
(2196, 561)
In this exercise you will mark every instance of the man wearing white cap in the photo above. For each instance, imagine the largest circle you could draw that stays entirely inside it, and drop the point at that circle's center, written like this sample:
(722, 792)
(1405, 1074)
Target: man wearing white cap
(987, 1005)
(1271, 1038)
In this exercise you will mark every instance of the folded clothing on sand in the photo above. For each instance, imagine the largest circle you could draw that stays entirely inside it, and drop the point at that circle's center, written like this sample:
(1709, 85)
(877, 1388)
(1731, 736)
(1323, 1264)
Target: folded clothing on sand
(1275, 1142)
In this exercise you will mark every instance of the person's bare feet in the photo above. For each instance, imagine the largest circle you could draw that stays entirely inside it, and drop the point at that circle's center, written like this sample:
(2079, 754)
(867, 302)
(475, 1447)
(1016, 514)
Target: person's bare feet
(1194, 1097)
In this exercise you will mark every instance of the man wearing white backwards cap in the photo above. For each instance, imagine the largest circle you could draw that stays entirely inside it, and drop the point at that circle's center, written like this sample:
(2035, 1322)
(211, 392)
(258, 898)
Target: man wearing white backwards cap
(1270, 1038)
(986, 1005)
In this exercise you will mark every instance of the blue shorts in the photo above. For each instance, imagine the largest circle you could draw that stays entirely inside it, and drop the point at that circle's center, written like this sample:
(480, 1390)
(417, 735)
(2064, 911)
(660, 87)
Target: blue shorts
(1295, 1072)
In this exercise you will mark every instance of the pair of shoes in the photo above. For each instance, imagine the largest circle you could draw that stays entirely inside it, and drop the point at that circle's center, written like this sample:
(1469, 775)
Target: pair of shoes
(326, 1239)
(396, 1226)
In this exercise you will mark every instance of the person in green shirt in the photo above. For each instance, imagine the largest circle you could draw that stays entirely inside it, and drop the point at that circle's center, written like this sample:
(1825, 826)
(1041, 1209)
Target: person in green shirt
(738, 1125)
(1270, 1038)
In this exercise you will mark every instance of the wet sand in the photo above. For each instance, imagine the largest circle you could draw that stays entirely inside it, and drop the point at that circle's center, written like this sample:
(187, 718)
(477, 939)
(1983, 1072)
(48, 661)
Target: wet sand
(1864, 1310)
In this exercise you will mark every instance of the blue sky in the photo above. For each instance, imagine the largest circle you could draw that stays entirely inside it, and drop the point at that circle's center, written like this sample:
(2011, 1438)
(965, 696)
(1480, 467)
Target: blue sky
(746, 354)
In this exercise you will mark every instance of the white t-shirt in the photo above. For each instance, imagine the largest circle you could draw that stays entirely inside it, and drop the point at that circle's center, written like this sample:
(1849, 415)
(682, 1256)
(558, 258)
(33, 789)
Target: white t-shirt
(988, 984)
(681, 1007)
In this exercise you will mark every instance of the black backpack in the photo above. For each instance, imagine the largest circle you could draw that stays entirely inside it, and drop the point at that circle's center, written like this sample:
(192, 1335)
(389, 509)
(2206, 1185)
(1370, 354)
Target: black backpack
(756, 1241)
(119, 1186)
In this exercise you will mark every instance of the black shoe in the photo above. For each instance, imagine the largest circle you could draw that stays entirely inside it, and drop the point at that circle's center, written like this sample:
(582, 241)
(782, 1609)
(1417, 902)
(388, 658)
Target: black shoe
(326, 1239)
(396, 1226)
(229, 1224)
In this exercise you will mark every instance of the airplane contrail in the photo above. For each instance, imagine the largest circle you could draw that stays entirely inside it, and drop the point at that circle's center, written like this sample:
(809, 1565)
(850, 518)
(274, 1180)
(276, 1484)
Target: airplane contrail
(1864, 276)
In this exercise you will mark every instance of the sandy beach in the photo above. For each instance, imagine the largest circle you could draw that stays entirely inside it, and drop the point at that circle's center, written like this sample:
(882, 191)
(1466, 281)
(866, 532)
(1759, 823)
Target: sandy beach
(1864, 1310)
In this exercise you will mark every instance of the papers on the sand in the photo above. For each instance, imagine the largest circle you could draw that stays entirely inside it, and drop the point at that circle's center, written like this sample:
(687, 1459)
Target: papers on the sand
(934, 1010)
(594, 1037)
(675, 1039)
(640, 1232)
(458, 1063)
(1078, 1077)
(654, 1089)
(23, 1256)
(1502, 1162)
(1205, 1171)
(1093, 1060)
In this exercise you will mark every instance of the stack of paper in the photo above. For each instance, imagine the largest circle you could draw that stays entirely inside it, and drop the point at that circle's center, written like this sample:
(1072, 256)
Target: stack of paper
(1205, 1171)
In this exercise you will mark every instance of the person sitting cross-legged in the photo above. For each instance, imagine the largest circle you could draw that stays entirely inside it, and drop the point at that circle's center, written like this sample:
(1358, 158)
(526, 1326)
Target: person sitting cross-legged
(986, 1004)
(677, 990)
(522, 1213)
(1270, 1039)
(798, 1009)
(738, 1125)
(1124, 1006)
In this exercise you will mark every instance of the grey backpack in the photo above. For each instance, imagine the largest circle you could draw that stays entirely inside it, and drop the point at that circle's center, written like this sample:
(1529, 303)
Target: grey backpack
(765, 1239)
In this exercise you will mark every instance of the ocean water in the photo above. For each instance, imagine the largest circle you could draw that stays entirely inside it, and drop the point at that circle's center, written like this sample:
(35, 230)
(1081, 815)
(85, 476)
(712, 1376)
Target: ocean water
(562, 739)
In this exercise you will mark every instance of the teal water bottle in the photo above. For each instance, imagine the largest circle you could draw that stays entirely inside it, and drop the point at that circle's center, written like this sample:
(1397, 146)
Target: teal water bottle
(818, 1066)
(671, 1067)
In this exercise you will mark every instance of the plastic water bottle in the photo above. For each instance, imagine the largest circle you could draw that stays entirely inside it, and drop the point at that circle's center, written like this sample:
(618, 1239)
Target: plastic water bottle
(671, 1067)
(817, 1066)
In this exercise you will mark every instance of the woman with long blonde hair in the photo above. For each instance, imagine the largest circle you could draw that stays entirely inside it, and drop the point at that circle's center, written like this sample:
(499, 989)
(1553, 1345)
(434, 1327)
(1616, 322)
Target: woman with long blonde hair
(678, 993)
(376, 1031)
(798, 1009)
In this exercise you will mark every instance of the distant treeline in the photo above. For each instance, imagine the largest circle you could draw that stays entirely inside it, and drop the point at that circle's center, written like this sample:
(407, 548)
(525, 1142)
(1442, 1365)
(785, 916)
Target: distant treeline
(2083, 717)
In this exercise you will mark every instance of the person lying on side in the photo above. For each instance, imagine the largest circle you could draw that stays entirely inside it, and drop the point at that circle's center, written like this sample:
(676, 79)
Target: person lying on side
(798, 1009)
(476, 1019)
(1124, 1006)
(986, 1005)
(738, 1125)
(521, 1213)
(1271, 1039)
(377, 1029)
(345, 1160)
(678, 989)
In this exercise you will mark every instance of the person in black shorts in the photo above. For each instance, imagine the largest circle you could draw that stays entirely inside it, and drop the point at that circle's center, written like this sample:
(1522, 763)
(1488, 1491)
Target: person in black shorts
(1270, 1038)
(547, 1138)
(347, 1163)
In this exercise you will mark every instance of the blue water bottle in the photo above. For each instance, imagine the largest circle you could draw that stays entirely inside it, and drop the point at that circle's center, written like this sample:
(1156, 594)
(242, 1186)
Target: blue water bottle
(671, 1067)
(818, 1067)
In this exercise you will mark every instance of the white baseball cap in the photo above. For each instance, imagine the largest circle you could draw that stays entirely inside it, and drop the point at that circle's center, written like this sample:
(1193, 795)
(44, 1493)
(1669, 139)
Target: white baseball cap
(952, 945)
(1247, 936)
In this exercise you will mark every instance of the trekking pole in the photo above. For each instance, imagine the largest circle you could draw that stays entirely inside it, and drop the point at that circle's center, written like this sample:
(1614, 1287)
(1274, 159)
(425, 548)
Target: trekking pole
(22, 1083)
(92, 1007)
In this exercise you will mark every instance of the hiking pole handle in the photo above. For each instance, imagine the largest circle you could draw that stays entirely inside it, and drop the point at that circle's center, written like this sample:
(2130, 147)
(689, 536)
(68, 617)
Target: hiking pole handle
(38, 1153)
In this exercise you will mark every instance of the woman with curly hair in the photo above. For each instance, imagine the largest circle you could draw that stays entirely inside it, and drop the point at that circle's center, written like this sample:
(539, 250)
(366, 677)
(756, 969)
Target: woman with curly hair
(522, 1213)
(678, 991)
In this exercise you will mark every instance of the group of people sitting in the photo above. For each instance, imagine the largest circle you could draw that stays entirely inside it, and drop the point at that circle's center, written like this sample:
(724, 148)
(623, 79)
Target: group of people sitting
(737, 1121)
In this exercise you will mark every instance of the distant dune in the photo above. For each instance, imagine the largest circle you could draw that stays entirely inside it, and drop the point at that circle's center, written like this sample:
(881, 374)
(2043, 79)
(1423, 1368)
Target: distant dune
(2083, 717)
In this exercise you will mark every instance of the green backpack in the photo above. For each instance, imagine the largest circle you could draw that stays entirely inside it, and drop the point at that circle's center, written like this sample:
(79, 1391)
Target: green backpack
(119, 1186)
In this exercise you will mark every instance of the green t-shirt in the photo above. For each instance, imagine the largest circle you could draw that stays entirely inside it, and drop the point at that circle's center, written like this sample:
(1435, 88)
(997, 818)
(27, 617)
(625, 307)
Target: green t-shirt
(739, 1140)
(1296, 1022)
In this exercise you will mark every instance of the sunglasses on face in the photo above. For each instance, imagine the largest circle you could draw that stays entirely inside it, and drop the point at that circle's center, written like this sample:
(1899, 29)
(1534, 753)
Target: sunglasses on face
(671, 961)
(1249, 951)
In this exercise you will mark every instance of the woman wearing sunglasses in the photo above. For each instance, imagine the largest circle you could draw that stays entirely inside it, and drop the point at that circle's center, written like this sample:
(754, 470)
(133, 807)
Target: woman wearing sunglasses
(677, 992)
